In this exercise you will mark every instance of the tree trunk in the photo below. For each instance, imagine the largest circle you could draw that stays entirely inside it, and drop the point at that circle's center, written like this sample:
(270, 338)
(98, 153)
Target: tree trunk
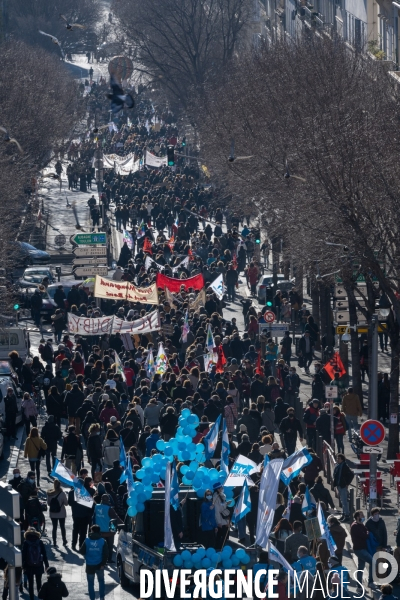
(393, 443)
(299, 280)
(355, 354)
(315, 302)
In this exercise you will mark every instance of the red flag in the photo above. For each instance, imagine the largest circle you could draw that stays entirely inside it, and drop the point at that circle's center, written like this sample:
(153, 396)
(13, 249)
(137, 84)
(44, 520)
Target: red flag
(171, 243)
(147, 246)
(221, 360)
(190, 254)
(174, 285)
(258, 366)
(335, 365)
(234, 262)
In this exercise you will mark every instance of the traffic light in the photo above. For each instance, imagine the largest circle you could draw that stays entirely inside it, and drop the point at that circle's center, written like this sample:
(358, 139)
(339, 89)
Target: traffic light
(16, 307)
(183, 142)
(269, 295)
(171, 156)
(257, 236)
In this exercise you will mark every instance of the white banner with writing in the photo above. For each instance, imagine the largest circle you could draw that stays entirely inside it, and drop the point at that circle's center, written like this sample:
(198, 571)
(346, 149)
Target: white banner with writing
(100, 325)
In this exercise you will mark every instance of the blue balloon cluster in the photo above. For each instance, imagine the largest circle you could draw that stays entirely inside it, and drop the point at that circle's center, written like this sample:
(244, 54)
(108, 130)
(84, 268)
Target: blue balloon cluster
(181, 445)
(153, 469)
(138, 497)
(204, 559)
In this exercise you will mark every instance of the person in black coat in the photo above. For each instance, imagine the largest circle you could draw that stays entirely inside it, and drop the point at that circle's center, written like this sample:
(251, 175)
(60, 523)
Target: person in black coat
(54, 588)
(212, 411)
(251, 517)
(128, 435)
(321, 493)
(244, 447)
(290, 426)
(113, 475)
(323, 425)
(296, 513)
(32, 539)
(81, 518)
(51, 433)
(168, 423)
(280, 410)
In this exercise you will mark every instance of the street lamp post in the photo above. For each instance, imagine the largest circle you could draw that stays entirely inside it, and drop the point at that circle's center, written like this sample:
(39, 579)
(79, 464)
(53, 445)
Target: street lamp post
(373, 409)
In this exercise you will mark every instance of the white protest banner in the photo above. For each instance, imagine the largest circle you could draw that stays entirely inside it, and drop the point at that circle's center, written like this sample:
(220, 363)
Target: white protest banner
(241, 471)
(124, 290)
(86, 326)
(100, 325)
(150, 322)
(155, 161)
(267, 500)
(218, 287)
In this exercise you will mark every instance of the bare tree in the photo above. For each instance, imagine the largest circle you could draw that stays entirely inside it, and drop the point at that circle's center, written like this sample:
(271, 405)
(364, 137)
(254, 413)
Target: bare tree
(332, 118)
(178, 44)
(27, 17)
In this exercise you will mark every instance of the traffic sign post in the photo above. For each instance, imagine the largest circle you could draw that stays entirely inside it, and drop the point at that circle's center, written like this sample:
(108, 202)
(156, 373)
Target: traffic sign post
(331, 393)
(372, 432)
(90, 251)
(89, 239)
(273, 329)
(372, 450)
(269, 316)
(95, 261)
(89, 271)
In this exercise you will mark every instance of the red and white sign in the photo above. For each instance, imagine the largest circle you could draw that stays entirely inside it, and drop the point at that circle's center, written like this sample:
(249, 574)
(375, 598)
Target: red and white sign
(372, 432)
(269, 316)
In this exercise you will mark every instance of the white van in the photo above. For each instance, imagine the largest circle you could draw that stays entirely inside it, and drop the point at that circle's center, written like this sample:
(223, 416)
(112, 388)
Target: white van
(14, 338)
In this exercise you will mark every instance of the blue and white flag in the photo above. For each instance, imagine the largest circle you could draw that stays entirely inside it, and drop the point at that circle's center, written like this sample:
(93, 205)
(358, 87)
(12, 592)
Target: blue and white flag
(293, 465)
(225, 452)
(64, 475)
(169, 543)
(242, 469)
(326, 534)
(186, 327)
(218, 287)
(243, 506)
(210, 440)
(81, 495)
(129, 475)
(275, 556)
(149, 365)
(267, 500)
(309, 503)
(210, 343)
(122, 460)
(174, 488)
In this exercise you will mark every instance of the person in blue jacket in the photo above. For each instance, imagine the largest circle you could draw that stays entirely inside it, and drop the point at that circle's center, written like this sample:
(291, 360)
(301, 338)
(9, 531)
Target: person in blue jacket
(305, 562)
(335, 567)
(207, 520)
(95, 551)
(103, 515)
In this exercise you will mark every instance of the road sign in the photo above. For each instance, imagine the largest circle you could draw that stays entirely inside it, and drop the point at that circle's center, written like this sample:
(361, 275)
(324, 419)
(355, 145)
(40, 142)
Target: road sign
(60, 240)
(340, 329)
(90, 271)
(273, 329)
(90, 251)
(343, 316)
(339, 292)
(372, 432)
(81, 262)
(372, 450)
(269, 316)
(89, 239)
(342, 304)
(331, 391)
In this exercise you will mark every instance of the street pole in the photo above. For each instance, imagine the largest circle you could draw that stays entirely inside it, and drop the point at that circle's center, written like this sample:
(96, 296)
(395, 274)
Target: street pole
(12, 584)
(373, 408)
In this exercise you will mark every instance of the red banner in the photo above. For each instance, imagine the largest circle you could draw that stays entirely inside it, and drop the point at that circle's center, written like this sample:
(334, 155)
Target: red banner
(174, 285)
(335, 365)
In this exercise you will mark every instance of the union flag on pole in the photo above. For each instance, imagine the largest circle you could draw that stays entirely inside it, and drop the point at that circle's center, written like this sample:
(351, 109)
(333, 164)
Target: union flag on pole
(147, 246)
(335, 365)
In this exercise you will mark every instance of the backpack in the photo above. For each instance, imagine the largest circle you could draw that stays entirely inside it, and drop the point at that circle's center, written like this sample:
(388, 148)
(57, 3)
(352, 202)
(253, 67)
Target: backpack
(35, 558)
(55, 506)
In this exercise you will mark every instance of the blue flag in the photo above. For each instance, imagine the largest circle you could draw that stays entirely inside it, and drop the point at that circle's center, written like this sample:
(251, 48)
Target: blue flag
(309, 503)
(174, 487)
(210, 440)
(64, 475)
(293, 465)
(129, 475)
(225, 450)
(326, 534)
(122, 460)
(243, 506)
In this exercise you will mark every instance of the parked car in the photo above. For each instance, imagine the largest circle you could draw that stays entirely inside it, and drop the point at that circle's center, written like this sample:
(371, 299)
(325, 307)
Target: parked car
(29, 255)
(34, 276)
(266, 281)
